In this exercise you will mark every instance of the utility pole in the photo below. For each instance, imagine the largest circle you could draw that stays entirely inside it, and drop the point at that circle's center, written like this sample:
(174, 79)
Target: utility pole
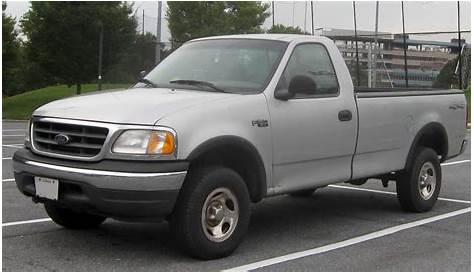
(158, 35)
(312, 19)
(273, 13)
(101, 39)
(405, 46)
(143, 22)
(357, 46)
(305, 12)
(293, 16)
(459, 48)
(376, 44)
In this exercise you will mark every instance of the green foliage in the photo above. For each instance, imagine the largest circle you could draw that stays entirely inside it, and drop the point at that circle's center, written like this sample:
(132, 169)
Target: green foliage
(140, 55)
(11, 55)
(446, 76)
(194, 19)
(63, 37)
(286, 29)
(22, 106)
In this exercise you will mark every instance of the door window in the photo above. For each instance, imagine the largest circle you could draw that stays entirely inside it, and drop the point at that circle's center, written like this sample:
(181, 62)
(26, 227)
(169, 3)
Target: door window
(311, 60)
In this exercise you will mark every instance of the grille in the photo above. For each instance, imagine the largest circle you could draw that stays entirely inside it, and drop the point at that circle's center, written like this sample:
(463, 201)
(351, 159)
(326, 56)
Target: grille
(84, 141)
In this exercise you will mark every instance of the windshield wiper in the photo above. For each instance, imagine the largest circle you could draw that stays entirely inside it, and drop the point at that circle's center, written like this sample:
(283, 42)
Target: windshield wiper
(197, 83)
(148, 82)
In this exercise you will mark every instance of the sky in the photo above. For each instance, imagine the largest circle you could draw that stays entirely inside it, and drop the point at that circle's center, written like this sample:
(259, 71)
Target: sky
(420, 16)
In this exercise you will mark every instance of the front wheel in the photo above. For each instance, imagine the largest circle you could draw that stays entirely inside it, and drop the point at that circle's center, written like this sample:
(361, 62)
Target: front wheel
(418, 186)
(212, 213)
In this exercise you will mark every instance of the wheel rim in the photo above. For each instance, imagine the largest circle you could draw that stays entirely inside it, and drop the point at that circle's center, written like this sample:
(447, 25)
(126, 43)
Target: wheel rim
(427, 181)
(220, 214)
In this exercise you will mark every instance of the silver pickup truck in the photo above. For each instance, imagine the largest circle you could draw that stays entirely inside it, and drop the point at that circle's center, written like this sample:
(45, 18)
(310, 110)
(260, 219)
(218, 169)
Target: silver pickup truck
(230, 120)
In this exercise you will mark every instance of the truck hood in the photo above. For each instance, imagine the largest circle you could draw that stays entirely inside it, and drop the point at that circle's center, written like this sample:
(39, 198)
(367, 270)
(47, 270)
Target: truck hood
(140, 106)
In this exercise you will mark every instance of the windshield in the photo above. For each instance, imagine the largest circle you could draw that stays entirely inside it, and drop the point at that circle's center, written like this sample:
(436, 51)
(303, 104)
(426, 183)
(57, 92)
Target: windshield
(221, 65)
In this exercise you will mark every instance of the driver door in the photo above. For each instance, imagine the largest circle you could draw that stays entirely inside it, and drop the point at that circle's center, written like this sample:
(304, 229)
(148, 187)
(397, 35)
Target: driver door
(312, 146)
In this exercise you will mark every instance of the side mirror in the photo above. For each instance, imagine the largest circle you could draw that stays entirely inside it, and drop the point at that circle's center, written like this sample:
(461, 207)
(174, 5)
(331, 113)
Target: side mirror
(283, 94)
(302, 84)
(142, 74)
(299, 84)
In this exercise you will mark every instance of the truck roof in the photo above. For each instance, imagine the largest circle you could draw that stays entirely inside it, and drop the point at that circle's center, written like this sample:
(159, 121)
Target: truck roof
(285, 37)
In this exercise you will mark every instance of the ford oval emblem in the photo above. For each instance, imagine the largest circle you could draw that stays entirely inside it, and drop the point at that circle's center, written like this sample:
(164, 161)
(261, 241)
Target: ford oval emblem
(61, 139)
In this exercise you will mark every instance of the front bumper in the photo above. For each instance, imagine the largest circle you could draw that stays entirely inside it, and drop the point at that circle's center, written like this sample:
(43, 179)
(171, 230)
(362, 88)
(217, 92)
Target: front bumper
(120, 189)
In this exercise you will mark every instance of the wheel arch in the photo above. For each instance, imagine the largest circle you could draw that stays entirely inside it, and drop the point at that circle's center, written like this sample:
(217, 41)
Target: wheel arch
(236, 153)
(432, 135)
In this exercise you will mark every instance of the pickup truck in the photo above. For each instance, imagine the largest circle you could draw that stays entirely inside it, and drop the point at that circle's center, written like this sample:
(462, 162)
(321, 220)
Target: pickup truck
(227, 121)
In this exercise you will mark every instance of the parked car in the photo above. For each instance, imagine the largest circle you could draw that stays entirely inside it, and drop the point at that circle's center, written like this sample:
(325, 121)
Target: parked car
(227, 121)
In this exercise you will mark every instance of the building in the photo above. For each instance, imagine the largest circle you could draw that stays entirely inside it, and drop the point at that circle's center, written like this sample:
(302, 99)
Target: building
(381, 57)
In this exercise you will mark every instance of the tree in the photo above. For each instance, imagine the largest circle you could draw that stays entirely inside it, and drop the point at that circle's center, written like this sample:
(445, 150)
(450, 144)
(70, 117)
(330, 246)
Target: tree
(63, 37)
(140, 55)
(446, 76)
(194, 19)
(286, 29)
(11, 54)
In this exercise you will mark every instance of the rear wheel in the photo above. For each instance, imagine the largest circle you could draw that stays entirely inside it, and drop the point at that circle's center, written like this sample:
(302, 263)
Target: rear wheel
(72, 219)
(212, 213)
(418, 186)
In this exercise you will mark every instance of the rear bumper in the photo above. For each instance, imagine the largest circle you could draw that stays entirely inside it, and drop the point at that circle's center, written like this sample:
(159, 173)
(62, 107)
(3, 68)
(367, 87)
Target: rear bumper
(126, 194)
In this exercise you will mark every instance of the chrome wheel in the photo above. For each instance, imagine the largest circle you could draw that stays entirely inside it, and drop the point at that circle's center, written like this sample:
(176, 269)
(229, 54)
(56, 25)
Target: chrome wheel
(427, 181)
(220, 214)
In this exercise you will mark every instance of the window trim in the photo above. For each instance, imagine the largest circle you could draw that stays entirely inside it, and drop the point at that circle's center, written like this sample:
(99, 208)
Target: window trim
(305, 96)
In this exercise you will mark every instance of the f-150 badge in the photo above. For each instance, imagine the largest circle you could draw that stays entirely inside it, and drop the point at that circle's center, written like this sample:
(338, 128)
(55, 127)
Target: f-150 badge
(260, 123)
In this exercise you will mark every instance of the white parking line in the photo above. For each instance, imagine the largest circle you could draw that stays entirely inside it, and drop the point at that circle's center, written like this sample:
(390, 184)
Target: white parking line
(455, 163)
(13, 145)
(8, 180)
(21, 135)
(7, 158)
(27, 222)
(345, 243)
(394, 193)
(13, 129)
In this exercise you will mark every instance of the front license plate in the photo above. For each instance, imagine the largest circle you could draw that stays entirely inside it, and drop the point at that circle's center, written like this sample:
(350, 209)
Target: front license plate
(47, 188)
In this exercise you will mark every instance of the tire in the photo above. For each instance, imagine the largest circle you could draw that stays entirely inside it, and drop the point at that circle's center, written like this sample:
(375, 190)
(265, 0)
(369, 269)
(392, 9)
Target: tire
(303, 193)
(418, 186)
(72, 219)
(197, 212)
(358, 182)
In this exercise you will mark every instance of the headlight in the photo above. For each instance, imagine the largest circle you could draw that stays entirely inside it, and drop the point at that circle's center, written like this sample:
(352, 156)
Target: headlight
(145, 142)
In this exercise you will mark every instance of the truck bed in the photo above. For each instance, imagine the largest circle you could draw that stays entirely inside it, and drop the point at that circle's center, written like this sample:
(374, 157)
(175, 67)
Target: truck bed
(389, 120)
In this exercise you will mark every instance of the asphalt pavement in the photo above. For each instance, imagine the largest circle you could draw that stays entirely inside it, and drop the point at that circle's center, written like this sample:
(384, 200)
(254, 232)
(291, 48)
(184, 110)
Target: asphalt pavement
(339, 228)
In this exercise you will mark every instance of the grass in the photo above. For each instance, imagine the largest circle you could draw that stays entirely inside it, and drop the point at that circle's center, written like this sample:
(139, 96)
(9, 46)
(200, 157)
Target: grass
(21, 106)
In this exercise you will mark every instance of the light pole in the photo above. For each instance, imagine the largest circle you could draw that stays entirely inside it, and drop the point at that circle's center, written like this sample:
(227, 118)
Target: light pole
(101, 39)
(459, 48)
(312, 19)
(404, 46)
(273, 13)
(356, 44)
(158, 35)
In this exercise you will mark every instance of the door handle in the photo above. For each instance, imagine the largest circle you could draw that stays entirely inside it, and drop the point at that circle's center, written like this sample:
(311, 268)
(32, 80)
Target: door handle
(345, 115)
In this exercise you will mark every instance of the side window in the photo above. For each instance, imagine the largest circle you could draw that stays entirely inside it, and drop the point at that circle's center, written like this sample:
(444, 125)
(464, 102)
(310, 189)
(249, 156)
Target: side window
(311, 60)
